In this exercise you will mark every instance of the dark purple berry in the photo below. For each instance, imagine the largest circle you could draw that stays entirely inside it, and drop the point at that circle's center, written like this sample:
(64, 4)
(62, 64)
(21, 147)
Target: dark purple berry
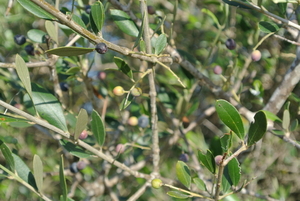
(20, 39)
(64, 86)
(184, 158)
(151, 10)
(81, 165)
(87, 9)
(230, 44)
(101, 48)
(29, 50)
(73, 167)
(143, 121)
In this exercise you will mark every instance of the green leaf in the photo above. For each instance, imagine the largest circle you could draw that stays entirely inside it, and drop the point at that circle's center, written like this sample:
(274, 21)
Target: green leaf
(140, 36)
(183, 174)
(81, 123)
(234, 171)
(282, 8)
(98, 128)
(294, 125)
(271, 116)
(268, 27)
(230, 117)
(211, 14)
(62, 179)
(160, 44)
(48, 107)
(126, 102)
(285, 1)
(73, 70)
(258, 128)
(8, 119)
(207, 160)
(278, 132)
(36, 10)
(236, 4)
(124, 22)
(97, 13)
(70, 51)
(77, 20)
(38, 172)
(123, 66)
(177, 194)
(50, 28)
(225, 184)
(23, 73)
(37, 35)
(226, 141)
(286, 120)
(7, 155)
(75, 150)
(200, 184)
(23, 171)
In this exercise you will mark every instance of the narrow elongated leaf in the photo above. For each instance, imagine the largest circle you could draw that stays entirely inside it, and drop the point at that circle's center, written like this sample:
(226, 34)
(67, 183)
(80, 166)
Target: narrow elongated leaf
(258, 128)
(23, 171)
(207, 160)
(234, 171)
(160, 43)
(97, 13)
(8, 119)
(37, 35)
(230, 117)
(226, 142)
(98, 128)
(268, 27)
(211, 14)
(23, 73)
(126, 102)
(140, 36)
(48, 107)
(123, 66)
(271, 116)
(177, 194)
(77, 19)
(236, 4)
(62, 180)
(286, 120)
(124, 22)
(183, 174)
(285, 1)
(225, 184)
(69, 51)
(81, 123)
(7, 155)
(200, 184)
(50, 28)
(38, 172)
(75, 150)
(36, 10)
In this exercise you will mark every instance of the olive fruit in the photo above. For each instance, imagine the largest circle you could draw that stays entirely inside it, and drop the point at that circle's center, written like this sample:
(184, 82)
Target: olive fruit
(83, 135)
(120, 148)
(20, 39)
(156, 183)
(256, 55)
(184, 158)
(136, 91)
(29, 50)
(87, 9)
(64, 86)
(230, 44)
(101, 75)
(151, 10)
(143, 121)
(101, 48)
(133, 121)
(80, 165)
(218, 159)
(118, 91)
(73, 167)
(218, 70)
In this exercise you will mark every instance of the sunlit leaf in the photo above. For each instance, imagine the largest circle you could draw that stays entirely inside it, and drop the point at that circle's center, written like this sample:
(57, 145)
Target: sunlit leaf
(124, 22)
(81, 123)
(8, 119)
(234, 171)
(207, 160)
(98, 128)
(62, 179)
(37, 35)
(51, 30)
(123, 67)
(268, 27)
(160, 44)
(177, 194)
(200, 184)
(23, 73)
(97, 13)
(286, 120)
(69, 51)
(7, 155)
(183, 174)
(38, 172)
(36, 10)
(75, 150)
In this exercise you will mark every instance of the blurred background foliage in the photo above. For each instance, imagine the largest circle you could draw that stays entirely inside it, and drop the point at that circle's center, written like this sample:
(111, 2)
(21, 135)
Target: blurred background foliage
(274, 163)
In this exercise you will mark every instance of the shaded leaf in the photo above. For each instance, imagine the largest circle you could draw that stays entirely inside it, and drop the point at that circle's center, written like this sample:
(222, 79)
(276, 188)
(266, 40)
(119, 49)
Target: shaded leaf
(123, 67)
(48, 107)
(7, 155)
(97, 13)
(62, 180)
(268, 27)
(207, 160)
(140, 36)
(37, 35)
(226, 142)
(177, 194)
(23, 171)
(236, 4)
(81, 123)
(38, 172)
(50, 28)
(74, 149)
(230, 117)
(225, 184)
(8, 119)
(234, 171)
(126, 102)
(183, 174)
(36, 10)
(211, 14)
(294, 125)
(258, 128)
(200, 184)
(160, 44)
(69, 51)
(124, 22)
(98, 128)
(23, 73)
